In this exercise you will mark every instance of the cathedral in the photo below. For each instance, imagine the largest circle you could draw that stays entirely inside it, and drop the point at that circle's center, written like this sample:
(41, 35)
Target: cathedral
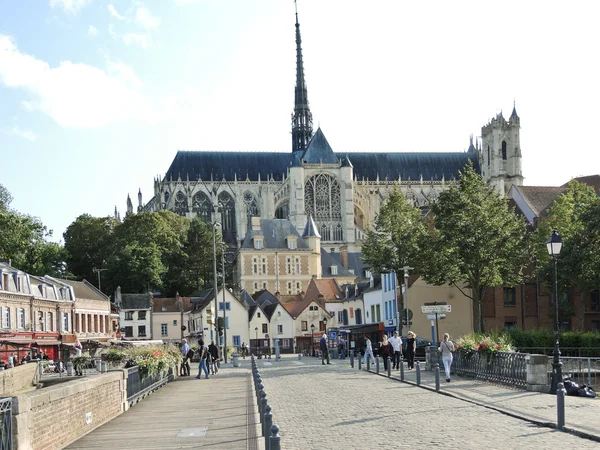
(341, 191)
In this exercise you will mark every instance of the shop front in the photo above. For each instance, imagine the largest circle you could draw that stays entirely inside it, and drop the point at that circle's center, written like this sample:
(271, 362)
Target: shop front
(48, 343)
(18, 344)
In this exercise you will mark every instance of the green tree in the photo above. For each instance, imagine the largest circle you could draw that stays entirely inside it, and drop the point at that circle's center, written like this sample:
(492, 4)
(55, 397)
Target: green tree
(394, 241)
(88, 245)
(475, 239)
(5, 198)
(571, 214)
(136, 268)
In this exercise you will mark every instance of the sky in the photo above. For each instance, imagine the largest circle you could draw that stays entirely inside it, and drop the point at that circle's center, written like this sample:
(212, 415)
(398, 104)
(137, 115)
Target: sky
(96, 97)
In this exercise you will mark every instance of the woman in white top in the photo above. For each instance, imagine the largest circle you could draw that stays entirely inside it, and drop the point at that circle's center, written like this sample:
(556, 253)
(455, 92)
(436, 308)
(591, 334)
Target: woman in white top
(369, 351)
(447, 348)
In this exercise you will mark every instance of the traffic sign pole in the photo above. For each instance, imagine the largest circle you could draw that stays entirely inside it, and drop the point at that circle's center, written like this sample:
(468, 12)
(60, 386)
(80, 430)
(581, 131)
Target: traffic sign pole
(432, 331)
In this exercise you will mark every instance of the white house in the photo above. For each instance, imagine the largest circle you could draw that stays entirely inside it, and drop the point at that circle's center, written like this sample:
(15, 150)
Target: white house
(135, 315)
(281, 324)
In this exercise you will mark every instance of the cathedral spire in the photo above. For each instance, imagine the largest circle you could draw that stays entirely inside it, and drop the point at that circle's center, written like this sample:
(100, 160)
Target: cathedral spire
(302, 118)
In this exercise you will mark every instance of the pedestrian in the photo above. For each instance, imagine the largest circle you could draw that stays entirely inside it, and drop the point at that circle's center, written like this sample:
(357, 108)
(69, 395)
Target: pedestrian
(213, 352)
(185, 364)
(447, 348)
(396, 342)
(203, 352)
(11, 361)
(342, 348)
(411, 348)
(244, 350)
(368, 351)
(386, 351)
(324, 349)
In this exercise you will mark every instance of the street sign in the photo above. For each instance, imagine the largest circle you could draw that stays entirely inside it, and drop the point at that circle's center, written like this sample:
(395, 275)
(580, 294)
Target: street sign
(439, 316)
(332, 335)
(433, 309)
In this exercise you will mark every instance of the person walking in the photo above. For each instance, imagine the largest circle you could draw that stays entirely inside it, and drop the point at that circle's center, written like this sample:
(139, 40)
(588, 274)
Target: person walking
(447, 348)
(396, 342)
(368, 351)
(203, 351)
(324, 350)
(411, 348)
(185, 364)
(386, 351)
(244, 350)
(213, 351)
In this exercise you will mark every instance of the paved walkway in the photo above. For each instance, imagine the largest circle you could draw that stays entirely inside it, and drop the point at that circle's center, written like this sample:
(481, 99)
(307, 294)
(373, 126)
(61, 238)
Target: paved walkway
(336, 407)
(217, 413)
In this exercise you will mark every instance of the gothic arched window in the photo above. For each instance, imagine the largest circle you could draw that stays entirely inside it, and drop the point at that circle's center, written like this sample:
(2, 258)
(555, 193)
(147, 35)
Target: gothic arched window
(489, 156)
(227, 208)
(166, 197)
(323, 201)
(283, 211)
(503, 150)
(181, 203)
(202, 206)
(411, 198)
(252, 209)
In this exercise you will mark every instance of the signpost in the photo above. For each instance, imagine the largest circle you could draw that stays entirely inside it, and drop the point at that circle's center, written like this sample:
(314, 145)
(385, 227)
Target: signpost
(435, 311)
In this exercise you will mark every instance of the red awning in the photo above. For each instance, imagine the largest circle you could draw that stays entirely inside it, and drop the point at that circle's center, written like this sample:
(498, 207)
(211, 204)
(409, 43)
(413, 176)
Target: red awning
(43, 342)
(17, 342)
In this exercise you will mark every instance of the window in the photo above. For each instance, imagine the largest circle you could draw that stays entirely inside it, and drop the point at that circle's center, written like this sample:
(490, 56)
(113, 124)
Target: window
(255, 285)
(227, 323)
(65, 321)
(298, 287)
(510, 325)
(265, 328)
(50, 319)
(258, 315)
(304, 325)
(264, 265)
(340, 316)
(503, 150)
(367, 274)
(323, 201)
(510, 296)
(289, 266)
(164, 330)
(237, 341)
(387, 311)
(142, 330)
(488, 156)
(20, 318)
(279, 329)
(227, 306)
(378, 309)
(5, 317)
(174, 323)
(289, 288)
(163, 309)
(292, 244)
(334, 270)
(285, 343)
(352, 313)
(128, 331)
(41, 323)
(128, 315)
(258, 244)
(255, 266)
(595, 298)
(141, 315)
(279, 313)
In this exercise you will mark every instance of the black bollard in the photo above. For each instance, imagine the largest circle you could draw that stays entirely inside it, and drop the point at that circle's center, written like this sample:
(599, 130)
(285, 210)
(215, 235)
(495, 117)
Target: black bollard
(437, 377)
(267, 427)
(401, 369)
(560, 406)
(275, 438)
(359, 361)
(352, 359)
(418, 374)
(262, 406)
(377, 366)
(259, 388)
(389, 366)
(368, 364)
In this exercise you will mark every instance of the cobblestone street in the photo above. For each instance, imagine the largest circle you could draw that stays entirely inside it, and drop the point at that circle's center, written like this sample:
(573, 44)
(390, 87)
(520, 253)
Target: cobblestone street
(336, 407)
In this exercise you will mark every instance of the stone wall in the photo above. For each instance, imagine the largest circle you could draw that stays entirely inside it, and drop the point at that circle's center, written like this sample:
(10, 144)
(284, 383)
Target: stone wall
(56, 416)
(18, 378)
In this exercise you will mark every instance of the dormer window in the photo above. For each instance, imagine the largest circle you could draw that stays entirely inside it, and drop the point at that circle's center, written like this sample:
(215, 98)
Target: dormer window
(334, 270)
(292, 244)
(367, 274)
(258, 244)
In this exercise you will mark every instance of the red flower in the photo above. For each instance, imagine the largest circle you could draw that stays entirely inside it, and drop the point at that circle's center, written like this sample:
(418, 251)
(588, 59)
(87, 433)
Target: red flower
(498, 347)
(483, 346)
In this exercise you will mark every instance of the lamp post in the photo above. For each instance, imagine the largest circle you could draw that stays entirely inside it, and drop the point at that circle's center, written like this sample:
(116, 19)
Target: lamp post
(216, 314)
(256, 340)
(406, 269)
(98, 271)
(312, 338)
(554, 244)
(223, 245)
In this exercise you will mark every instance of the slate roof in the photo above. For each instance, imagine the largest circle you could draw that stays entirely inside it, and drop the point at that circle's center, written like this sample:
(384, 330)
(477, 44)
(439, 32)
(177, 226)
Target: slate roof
(219, 165)
(267, 301)
(198, 304)
(171, 304)
(275, 232)
(590, 180)
(319, 150)
(363, 286)
(354, 263)
(84, 289)
(136, 301)
(310, 229)
(327, 260)
(247, 299)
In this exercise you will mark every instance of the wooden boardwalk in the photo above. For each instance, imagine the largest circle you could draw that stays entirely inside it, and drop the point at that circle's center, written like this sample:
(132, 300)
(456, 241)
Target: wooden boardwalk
(217, 413)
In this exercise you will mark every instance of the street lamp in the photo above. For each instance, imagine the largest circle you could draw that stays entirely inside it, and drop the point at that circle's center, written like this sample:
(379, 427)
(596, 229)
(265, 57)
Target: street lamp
(98, 271)
(223, 246)
(256, 340)
(325, 323)
(312, 337)
(554, 244)
(216, 314)
(406, 269)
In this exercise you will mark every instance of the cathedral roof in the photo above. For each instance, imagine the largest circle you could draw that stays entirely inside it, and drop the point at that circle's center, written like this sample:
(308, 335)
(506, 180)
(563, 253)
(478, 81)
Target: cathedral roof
(275, 232)
(310, 229)
(207, 165)
(319, 151)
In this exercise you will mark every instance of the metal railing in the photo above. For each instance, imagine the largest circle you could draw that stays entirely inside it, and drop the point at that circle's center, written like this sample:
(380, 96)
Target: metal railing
(580, 370)
(572, 352)
(499, 367)
(138, 387)
(6, 423)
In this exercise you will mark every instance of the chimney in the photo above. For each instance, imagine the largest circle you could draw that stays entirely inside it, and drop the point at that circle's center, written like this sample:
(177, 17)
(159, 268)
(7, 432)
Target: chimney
(255, 223)
(344, 256)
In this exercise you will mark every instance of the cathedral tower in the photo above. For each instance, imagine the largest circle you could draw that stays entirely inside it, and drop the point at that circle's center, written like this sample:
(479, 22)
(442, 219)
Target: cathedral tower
(500, 154)
(301, 118)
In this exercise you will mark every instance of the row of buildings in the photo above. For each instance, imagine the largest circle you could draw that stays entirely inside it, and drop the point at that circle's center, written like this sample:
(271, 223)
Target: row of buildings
(51, 314)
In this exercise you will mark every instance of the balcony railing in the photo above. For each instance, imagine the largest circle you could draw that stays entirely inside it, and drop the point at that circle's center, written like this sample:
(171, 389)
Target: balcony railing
(138, 387)
(500, 367)
(6, 423)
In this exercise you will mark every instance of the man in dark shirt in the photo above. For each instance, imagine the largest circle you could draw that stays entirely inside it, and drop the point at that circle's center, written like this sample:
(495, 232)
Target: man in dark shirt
(214, 356)
(324, 350)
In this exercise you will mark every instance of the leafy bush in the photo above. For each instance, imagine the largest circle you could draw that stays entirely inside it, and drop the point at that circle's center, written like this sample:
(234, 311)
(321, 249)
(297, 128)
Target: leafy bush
(115, 356)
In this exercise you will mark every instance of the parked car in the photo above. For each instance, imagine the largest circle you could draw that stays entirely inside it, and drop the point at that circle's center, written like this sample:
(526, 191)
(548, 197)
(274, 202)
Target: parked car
(421, 344)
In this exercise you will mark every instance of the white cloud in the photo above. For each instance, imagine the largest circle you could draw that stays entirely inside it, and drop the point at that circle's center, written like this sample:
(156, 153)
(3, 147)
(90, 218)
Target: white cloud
(143, 40)
(144, 17)
(72, 6)
(92, 31)
(113, 12)
(25, 134)
(75, 95)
